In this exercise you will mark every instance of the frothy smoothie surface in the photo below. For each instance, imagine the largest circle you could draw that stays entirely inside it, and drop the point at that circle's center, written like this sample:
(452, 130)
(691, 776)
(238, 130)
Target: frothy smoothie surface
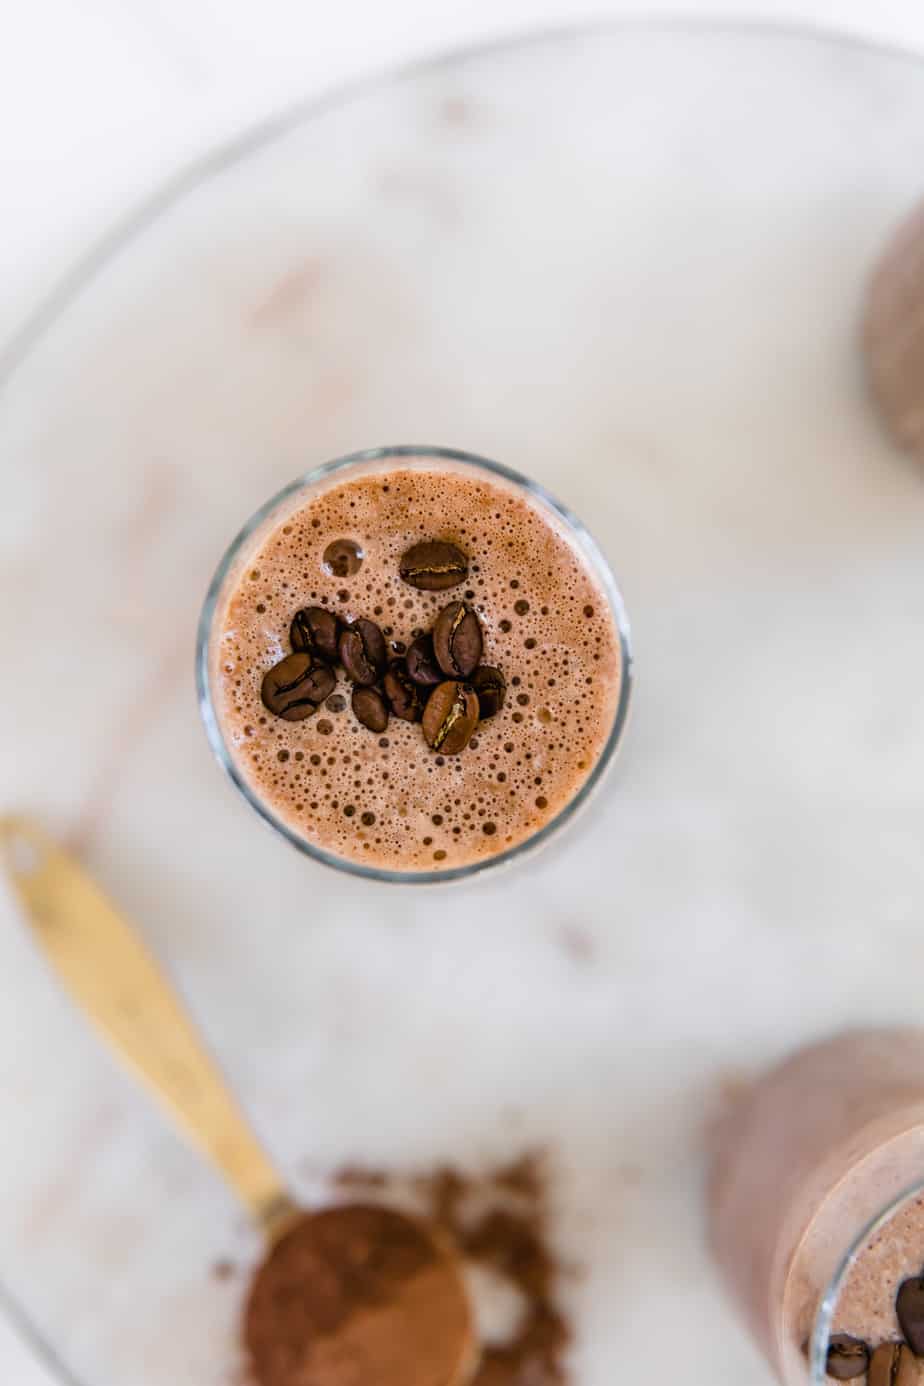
(867, 1306)
(867, 1313)
(388, 799)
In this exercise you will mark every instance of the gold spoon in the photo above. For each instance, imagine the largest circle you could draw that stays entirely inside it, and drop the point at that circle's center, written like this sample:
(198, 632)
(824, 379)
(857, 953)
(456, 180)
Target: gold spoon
(115, 980)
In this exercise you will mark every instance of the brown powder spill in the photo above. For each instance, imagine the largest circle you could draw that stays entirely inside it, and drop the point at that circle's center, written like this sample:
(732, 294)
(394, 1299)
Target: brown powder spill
(498, 1220)
(355, 1295)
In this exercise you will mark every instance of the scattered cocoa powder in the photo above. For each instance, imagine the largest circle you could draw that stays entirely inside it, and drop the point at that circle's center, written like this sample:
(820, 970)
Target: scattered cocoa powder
(356, 1295)
(498, 1222)
(523, 1176)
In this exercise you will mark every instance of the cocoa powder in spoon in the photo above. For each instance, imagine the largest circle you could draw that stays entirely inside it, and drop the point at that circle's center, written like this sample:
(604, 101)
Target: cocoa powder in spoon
(354, 1296)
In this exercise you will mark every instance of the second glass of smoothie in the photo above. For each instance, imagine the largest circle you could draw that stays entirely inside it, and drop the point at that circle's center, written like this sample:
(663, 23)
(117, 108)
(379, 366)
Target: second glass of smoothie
(483, 687)
(816, 1208)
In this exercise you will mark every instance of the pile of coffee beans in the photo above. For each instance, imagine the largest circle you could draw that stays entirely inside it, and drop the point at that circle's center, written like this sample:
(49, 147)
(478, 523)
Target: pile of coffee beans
(890, 1364)
(438, 680)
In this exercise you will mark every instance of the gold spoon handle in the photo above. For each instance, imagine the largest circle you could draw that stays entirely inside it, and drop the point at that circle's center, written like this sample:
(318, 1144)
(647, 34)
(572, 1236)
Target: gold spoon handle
(110, 973)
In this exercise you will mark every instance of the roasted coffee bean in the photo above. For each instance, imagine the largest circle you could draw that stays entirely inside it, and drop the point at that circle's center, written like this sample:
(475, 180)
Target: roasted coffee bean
(287, 690)
(847, 1357)
(369, 708)
(909, 1306)
(450, 717)
(491, 687)
(883, 1365)
(402, 693)
(893, 1364)
(457, 641)
(910, 1368)
(421, 662)
(362, 651)
(320, 683)
(434, 566)
(343, 558)
(317, 629)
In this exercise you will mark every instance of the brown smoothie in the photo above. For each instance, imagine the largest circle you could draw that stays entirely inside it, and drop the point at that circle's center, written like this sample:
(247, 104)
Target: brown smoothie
(804, 1162)
(894, 335)
(384, 797)
(888, 1263)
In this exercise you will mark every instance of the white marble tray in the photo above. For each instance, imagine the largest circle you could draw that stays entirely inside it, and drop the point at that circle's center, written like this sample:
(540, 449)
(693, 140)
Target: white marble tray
(629, 263)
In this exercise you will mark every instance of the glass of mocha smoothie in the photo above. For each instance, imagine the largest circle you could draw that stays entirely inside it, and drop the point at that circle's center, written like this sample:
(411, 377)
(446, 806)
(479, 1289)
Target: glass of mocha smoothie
(414, 664)
(816, 1209)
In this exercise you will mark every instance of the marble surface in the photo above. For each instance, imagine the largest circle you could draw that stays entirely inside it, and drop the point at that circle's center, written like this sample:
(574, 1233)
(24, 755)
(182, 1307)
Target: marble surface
(131, 90)
(629, 264)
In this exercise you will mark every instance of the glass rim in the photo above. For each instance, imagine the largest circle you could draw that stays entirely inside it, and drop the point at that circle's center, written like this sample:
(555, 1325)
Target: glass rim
(589, 548)
(824, 1314)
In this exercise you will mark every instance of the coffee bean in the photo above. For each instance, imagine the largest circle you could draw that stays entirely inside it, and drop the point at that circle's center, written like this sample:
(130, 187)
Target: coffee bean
(343, 558)
(402, 693)
(450, 717)
(491, 687)
(893, 1364)
(909, 1306)
(369, 709)
(847, 1357)
(286, 689)
(883, 1365)
(434, 566)
(320, 683)
(362, 651)
(910, 1368)
(457, 641)
(315, 628)
(421, 662)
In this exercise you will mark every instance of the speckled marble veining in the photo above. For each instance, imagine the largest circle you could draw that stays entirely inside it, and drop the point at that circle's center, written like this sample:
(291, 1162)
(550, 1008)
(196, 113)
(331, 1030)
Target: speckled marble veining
(629, 264)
